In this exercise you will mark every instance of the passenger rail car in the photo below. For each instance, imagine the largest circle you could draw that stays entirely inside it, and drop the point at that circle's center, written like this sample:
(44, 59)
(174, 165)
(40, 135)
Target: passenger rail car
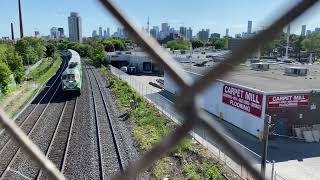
(72, 77)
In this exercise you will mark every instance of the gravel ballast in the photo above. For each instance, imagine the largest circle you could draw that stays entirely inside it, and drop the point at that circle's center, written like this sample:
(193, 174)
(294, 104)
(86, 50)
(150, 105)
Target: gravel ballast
(128, 147)
(109, 154)
(58, 145)
(82, 156)
(5, 136)
(8, 151)
(41, 136)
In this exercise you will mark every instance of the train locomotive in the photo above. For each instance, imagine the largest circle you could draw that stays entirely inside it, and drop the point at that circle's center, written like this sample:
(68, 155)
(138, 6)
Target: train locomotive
(72, 76)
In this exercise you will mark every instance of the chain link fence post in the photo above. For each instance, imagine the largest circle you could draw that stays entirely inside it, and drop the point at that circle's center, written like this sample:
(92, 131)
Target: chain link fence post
(272, 170)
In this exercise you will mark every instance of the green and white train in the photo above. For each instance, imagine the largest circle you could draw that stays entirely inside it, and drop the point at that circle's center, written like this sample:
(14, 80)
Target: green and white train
(72, 77)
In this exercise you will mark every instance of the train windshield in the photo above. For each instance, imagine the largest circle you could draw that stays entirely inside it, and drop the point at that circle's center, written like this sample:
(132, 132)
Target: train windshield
(73, 64)
(70, 77)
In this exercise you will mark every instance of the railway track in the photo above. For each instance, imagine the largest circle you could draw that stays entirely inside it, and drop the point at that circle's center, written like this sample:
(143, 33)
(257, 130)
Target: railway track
(15, 163)
(36, 110)
(11, 150)
(59, 143)
(105, 128)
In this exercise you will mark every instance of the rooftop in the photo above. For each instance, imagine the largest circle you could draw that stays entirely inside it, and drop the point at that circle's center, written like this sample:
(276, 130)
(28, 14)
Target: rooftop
(272, 80)
(196, 56)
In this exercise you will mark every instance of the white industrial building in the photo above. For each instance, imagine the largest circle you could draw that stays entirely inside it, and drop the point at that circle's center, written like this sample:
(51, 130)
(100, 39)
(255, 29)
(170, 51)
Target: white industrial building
(288, 93)
(144, 64)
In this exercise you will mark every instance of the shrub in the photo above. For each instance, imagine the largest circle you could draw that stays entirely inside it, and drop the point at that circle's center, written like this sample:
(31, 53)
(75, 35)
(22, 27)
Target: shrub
(4, 76)
(191, 171)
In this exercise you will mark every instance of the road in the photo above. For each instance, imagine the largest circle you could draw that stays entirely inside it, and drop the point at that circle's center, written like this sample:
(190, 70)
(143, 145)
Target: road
(294, 159)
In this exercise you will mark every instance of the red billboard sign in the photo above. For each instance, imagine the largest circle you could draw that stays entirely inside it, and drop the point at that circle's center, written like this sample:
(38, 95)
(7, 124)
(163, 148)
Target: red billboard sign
(288, 100)
(243, 99)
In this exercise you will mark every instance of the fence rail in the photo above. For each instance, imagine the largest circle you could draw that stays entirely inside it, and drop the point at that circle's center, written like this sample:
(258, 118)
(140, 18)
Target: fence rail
(192, 115)
(167, 108)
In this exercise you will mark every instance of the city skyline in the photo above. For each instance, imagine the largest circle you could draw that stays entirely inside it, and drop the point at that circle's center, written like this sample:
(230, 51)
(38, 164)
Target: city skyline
(93, 16)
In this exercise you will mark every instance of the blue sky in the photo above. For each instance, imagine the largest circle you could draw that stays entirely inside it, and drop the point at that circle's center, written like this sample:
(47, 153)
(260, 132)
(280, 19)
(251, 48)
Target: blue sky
(213, 14)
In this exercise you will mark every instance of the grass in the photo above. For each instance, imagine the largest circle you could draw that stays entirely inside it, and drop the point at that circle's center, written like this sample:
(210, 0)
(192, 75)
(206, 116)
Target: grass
(162, 168)
(45, 70)
(39, 75)
(203, 171)
(150, 127)
(190, 169)
(10, 89)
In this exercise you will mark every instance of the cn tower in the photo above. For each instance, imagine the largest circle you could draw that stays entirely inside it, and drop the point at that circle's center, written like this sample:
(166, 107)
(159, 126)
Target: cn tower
(20, 20)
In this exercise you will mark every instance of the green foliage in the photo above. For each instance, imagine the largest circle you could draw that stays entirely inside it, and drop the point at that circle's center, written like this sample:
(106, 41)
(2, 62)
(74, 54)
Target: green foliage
(50, 50)
(46, 69)
(61, 44)
(115, 44)
(84, 50)
(98, 56)
(178, 44)
(190, 170)
(4, 76)
(221, 43)
(162, 168)
(184, 146)
(202, 171)
(312, 42)
(218, 43)
(110, 45)
(197, 43)
(150, 127)
(13, 60)
(278, 42)
(211, 172)
(31, 49)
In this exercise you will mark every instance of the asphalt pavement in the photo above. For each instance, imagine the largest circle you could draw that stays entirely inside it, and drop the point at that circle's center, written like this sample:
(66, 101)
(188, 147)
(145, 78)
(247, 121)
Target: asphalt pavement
(294, 159)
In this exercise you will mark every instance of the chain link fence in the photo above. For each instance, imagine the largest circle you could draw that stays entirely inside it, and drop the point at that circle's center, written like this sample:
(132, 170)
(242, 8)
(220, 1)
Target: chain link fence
(193, 116)
(167, 108)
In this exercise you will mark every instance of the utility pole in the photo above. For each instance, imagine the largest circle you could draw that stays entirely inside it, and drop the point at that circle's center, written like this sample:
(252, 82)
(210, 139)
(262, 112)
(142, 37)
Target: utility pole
(12, 33)
(267, 120)
(20, 20)
(288, 38)
(148, 24)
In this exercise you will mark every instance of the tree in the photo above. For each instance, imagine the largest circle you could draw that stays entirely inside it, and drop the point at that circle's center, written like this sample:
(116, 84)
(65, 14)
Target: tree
(14, 62)
(280, 41)
(115, 44)
(31, 49)
(312, 42)
(50, 50)
(298, 46)
(109, 47)
(220, 43)
(197, 44)
(98, 55)
(4, 76)
(62, 46)
(178, 44)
